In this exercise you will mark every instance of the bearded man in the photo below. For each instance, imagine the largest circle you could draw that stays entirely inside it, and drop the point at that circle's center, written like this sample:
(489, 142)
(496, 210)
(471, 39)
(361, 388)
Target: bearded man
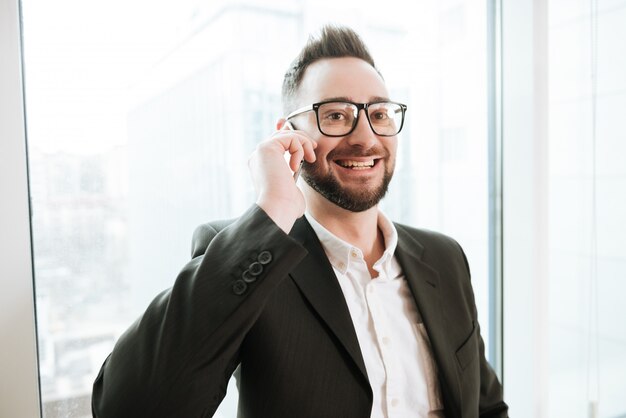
(320, 305)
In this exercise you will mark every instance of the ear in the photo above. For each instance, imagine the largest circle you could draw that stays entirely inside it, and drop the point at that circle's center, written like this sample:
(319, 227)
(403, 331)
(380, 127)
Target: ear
(282, 124)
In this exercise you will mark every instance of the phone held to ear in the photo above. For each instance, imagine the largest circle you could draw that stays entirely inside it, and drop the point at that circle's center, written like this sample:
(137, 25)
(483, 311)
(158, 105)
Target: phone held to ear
(296, 175)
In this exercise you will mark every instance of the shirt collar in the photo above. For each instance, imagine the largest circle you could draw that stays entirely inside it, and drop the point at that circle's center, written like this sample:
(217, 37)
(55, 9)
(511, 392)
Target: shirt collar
(391, 239)
(339, 251)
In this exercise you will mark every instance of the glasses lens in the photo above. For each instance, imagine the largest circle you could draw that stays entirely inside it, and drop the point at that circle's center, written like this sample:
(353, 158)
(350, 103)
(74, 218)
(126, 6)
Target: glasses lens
(336, 118)
(386, 118)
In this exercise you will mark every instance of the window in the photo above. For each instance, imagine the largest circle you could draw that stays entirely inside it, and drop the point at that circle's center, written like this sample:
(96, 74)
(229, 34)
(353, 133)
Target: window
(564, 182)
(141, 117)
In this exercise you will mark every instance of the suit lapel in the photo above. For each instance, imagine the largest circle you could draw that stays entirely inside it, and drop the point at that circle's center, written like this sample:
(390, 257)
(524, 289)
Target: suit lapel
(316, 279)
(423, 281)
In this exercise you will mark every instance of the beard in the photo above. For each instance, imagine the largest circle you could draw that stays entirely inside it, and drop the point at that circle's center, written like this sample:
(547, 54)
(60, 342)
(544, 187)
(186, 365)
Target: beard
(357, 199)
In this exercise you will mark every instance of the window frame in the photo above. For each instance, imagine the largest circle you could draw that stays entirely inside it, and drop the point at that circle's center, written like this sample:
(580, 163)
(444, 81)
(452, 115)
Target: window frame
(525, 238)
(19, 380)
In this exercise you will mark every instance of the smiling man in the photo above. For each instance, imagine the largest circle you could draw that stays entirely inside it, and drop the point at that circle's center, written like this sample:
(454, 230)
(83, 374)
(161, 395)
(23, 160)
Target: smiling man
(320, 305)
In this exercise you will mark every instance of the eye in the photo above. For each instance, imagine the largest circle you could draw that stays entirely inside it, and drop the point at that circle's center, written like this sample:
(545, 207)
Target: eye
(336, 113)
(380, 114)
(336, 116)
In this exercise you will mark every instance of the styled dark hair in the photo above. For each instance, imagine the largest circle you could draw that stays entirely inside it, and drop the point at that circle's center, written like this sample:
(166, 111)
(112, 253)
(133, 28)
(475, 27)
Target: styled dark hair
(332, 42)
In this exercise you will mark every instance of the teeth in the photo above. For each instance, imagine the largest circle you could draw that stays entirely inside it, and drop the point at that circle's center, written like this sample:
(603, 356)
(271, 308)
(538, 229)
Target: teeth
(356, 164)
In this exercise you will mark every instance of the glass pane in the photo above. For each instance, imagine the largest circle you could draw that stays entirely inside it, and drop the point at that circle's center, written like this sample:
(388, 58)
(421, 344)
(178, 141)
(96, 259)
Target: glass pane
(141, 117)
(587, 354)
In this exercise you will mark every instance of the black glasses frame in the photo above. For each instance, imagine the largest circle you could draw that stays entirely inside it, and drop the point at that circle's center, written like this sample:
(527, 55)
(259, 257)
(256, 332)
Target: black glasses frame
(359, 106)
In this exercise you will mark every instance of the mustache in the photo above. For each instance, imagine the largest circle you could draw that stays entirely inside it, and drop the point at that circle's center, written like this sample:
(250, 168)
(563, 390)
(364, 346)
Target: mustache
(339, 154)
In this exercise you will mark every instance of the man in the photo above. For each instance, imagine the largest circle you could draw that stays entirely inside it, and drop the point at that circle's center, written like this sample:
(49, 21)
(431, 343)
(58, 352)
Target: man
(338, 313)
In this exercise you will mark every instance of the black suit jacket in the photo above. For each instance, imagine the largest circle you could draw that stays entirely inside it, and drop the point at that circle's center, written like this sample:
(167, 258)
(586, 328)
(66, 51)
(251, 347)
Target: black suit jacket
(255, 297)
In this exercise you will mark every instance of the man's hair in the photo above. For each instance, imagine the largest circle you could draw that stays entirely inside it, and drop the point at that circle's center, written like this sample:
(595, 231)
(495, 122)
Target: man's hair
(332, 42)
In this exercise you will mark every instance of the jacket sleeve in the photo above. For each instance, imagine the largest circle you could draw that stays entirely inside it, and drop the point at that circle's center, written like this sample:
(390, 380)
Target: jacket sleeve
(176, 359)
(491, 402)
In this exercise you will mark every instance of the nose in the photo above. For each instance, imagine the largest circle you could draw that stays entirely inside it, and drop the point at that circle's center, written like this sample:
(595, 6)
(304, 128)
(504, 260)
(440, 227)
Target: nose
(362, 136)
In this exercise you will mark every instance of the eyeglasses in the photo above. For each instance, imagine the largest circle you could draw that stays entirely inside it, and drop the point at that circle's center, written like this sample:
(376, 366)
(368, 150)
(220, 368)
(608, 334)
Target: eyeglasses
(339, 118)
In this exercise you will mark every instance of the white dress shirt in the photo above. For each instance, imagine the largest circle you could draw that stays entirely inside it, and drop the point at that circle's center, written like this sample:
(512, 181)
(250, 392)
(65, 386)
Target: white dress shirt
(392, 337)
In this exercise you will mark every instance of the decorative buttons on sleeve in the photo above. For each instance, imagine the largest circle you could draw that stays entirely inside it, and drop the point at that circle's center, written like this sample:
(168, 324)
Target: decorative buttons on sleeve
(255, 268)
(265, 257)
(248, 277)
(251, 274)
(239, 287)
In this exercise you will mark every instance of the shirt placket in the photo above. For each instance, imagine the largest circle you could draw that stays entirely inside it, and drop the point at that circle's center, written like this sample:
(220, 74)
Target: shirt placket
(386, 346)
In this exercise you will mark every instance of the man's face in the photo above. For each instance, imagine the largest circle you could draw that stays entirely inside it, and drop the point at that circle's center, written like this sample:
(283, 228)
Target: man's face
(352, 171)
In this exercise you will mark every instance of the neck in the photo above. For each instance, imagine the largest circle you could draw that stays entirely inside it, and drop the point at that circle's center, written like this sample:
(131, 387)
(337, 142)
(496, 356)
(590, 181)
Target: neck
(357, 228)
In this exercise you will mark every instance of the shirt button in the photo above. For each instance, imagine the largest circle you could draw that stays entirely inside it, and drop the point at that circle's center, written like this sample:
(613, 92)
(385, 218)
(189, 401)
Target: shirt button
(264, 257)
(342, 265)
(354, 254)
(395, 402)
(239, 287)
(386, 340)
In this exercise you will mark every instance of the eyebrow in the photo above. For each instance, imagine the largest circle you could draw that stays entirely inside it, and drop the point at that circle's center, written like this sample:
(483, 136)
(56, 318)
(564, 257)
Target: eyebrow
(349, 99)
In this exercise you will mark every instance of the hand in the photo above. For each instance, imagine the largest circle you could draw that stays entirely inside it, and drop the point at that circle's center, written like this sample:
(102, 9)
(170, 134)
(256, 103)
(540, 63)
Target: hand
(277, 193)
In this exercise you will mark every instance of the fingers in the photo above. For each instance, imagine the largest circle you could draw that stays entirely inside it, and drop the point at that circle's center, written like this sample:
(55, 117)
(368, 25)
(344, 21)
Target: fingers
(309, 150)
(296, 149)
(298, 144)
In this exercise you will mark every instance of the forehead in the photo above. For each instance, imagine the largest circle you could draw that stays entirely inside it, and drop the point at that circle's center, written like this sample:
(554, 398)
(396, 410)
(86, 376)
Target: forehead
(346, 77)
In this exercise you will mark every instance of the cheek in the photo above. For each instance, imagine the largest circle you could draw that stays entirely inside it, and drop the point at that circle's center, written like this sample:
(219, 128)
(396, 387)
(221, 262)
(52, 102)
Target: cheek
(392, 148)
(323, 164)
(324, 148)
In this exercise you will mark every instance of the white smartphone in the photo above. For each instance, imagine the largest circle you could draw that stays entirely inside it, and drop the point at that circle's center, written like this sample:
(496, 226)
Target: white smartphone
(296, 175)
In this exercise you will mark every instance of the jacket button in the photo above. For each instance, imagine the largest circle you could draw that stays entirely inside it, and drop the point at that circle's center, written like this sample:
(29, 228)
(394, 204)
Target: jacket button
(248, 277)
(265, 257)
(255, 268)
(239, 287)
